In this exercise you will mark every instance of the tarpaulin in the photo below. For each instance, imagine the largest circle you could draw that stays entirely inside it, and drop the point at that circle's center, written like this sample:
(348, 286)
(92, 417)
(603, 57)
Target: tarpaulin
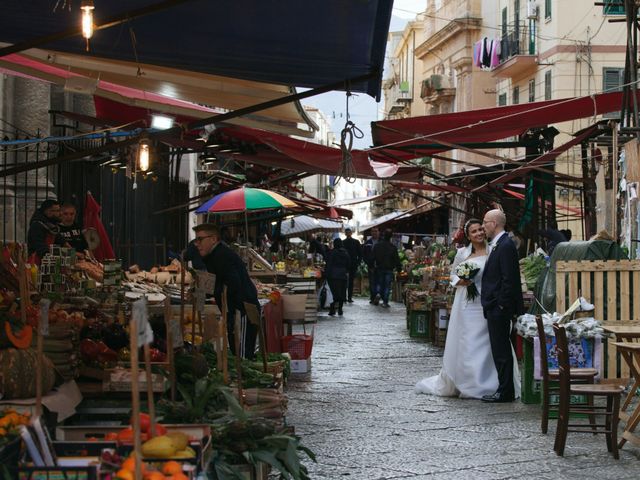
(288, 42)
(419, 134)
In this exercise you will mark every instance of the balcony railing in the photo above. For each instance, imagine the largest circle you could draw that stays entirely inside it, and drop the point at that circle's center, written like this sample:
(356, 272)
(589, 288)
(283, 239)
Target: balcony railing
(518, 40)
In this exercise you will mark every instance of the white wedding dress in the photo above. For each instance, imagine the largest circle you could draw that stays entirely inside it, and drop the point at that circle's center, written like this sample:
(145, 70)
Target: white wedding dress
(467, 370)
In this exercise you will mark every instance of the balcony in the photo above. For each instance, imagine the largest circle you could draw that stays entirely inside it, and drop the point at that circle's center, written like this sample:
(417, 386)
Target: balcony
(518, 53)
(398, 97)
(436, 90)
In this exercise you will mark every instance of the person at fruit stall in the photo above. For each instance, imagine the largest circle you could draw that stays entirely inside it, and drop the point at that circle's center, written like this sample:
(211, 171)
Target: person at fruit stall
(386, 259)
(354, 249)
(70, 232)
(230, 272)
(367, 256)
(44, 228)
(337, 272)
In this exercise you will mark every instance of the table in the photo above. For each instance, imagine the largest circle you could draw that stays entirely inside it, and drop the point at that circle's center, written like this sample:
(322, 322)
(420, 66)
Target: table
(630, 352)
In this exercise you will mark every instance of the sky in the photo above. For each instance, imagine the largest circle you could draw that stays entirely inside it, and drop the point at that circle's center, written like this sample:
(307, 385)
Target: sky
(363, 109)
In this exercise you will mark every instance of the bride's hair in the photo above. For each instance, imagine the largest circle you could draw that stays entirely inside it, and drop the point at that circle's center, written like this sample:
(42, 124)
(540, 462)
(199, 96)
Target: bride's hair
(467, 225)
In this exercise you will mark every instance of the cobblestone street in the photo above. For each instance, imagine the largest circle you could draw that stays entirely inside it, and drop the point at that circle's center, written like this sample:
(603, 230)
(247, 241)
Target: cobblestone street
(358, 412)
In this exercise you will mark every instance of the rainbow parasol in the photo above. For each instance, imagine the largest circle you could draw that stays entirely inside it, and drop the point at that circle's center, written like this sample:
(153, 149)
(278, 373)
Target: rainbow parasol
(245, 199)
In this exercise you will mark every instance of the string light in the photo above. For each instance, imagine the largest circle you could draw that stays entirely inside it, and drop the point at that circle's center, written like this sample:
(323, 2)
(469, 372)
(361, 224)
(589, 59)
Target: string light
(87, 8)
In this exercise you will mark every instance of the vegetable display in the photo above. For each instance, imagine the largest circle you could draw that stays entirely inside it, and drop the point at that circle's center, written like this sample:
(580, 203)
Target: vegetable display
(532, 266)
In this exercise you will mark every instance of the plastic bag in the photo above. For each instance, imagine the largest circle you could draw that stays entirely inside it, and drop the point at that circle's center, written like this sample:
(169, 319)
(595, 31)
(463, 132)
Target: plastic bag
(325, 297)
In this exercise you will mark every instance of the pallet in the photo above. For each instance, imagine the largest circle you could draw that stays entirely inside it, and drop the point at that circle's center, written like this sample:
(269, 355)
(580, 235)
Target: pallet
(609, 285)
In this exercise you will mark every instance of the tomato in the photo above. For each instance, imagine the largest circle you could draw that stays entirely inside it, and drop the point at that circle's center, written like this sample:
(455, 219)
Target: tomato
(145, 422)
(111, 436)
(159, 430)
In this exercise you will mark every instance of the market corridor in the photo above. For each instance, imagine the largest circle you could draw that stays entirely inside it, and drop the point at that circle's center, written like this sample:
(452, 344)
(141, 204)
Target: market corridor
(358, 412)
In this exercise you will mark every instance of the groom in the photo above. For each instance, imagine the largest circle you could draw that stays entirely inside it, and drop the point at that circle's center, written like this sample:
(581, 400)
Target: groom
(501, 298)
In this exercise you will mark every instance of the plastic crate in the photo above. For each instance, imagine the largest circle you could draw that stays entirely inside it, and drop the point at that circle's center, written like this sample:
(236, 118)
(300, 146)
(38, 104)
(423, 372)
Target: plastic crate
(298, 345)
(531, 388)
(419, 321)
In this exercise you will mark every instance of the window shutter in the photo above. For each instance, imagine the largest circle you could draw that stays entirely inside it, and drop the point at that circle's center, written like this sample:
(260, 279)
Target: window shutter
(547, 9)
(547, 85)
(532, 90)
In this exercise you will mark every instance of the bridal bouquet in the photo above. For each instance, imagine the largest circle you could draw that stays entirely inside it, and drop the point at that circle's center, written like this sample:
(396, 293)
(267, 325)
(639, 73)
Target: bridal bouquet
(466, 271)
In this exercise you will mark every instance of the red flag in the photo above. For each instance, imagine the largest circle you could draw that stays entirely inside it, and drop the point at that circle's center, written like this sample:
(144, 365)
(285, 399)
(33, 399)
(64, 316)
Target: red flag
(104, 251)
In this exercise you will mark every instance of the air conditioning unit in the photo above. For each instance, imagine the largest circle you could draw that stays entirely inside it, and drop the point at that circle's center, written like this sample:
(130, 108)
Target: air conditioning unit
(532, 9)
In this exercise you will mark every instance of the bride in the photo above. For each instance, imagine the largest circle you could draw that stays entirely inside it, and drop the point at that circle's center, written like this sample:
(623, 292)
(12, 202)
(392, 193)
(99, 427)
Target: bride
(467, 370)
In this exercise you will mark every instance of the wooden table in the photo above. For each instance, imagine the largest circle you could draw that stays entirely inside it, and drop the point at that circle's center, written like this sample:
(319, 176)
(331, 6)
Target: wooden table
(630, 351)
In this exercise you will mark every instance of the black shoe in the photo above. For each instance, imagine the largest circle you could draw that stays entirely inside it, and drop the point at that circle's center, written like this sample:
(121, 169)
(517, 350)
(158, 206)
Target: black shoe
(371, 301)
(498, 398)
(386, 305)
(350, 300)
(376, 299)
(332, 313)
(340, 312)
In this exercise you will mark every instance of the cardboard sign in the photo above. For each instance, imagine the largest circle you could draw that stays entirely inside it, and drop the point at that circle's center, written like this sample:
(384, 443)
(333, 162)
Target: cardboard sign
(176, 332)
(206, 281)
(140, 315)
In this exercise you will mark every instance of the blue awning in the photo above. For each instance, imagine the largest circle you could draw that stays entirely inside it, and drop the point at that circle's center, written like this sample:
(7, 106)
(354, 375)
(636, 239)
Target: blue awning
(290, 42)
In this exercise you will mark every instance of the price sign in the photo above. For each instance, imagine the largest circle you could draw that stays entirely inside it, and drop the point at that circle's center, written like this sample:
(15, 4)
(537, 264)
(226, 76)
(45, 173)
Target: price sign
(44, 316)
(140, 315)
(206, 281)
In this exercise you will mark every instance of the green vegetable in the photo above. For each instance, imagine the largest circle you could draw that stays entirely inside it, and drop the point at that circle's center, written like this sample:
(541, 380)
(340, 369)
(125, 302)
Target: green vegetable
(532, 267)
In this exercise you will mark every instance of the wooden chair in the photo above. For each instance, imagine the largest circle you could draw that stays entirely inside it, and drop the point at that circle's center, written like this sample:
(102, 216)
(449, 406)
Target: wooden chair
(611, 392)
(550, 378)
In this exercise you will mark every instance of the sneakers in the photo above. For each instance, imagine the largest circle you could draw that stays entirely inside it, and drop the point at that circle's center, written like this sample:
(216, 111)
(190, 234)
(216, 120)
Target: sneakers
(386, 305)
(376, 299)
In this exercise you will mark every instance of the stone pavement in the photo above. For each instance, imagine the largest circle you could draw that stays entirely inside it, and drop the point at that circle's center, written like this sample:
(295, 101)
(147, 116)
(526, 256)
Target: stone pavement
(358, 412)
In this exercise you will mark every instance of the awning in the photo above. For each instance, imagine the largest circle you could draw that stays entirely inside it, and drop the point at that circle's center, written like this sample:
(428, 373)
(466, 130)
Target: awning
(420, 135)
(281, 151)
(403, 215)
(306, 224)
(288, 42)
(123, 92)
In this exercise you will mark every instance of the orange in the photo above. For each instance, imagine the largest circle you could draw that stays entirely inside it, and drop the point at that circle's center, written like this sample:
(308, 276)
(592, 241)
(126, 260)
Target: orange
(130, 465)
(154, 476)
(125, 475)
(171, 468)
(179, 476)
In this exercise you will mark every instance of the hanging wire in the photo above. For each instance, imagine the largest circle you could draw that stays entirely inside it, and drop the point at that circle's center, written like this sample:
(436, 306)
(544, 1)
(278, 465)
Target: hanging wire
(350, 131)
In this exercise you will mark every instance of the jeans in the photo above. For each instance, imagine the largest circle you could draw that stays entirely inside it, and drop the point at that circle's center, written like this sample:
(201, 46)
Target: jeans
(373, 280)
(383, 284)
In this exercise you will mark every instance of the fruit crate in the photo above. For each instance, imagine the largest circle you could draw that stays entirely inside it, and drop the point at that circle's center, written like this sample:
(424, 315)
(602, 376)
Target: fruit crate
(419, 323)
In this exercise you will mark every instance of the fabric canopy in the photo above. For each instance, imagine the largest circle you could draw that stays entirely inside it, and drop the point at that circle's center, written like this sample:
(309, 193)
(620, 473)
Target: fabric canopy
(310, 44)
(303, 156)
(305, 224)
(122, 92)
(403, 215)
(419, 134)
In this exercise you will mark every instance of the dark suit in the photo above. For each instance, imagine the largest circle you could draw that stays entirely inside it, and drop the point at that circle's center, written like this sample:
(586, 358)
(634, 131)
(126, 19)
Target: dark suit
(230, 271)
(354, 248)
(501, 298)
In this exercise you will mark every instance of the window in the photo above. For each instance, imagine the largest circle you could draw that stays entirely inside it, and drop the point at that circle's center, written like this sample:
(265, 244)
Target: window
(532, 90)
(612, 81)
(547, 85)
(547, 9)
(502, 99)
(613, 9)
(504, 22)
(516, 95)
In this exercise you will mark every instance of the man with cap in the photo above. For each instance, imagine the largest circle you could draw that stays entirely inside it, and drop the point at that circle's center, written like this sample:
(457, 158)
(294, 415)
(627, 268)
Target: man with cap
(230, 272)
(354, 249)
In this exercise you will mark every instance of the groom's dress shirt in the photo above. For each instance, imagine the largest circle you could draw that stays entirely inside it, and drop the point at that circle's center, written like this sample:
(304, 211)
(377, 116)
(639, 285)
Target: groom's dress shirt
(494, 241)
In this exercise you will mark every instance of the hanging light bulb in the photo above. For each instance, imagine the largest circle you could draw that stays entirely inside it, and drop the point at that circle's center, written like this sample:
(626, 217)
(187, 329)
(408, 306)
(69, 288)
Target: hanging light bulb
(87, 8)
(144, 155)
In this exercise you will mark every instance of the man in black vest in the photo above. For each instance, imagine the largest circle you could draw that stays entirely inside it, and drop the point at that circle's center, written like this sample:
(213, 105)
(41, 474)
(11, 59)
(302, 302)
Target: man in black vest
(230, 272)
(354, 249)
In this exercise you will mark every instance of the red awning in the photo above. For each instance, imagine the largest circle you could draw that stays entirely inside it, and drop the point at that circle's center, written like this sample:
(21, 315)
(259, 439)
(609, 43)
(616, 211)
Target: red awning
(303, 156)
(418, 134)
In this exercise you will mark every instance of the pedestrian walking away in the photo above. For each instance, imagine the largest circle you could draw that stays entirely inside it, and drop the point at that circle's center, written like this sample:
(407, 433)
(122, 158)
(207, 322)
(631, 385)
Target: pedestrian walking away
(367, 256)
(337, 272)
(501, 298)
(354, 249)
(386, 259)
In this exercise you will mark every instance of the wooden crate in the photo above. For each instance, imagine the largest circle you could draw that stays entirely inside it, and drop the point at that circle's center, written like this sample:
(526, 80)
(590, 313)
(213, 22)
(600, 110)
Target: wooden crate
(608, 284)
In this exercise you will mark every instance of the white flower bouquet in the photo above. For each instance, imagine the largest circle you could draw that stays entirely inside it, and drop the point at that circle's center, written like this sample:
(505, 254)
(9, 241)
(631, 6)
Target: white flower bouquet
(466, 271)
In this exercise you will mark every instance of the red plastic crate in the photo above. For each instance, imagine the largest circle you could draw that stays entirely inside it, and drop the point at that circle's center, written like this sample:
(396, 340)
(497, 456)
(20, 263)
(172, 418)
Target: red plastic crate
(298, 345)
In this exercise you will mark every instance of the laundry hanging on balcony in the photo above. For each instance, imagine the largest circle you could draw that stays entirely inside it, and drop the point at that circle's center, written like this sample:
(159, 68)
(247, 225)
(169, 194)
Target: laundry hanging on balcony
(486, 53)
